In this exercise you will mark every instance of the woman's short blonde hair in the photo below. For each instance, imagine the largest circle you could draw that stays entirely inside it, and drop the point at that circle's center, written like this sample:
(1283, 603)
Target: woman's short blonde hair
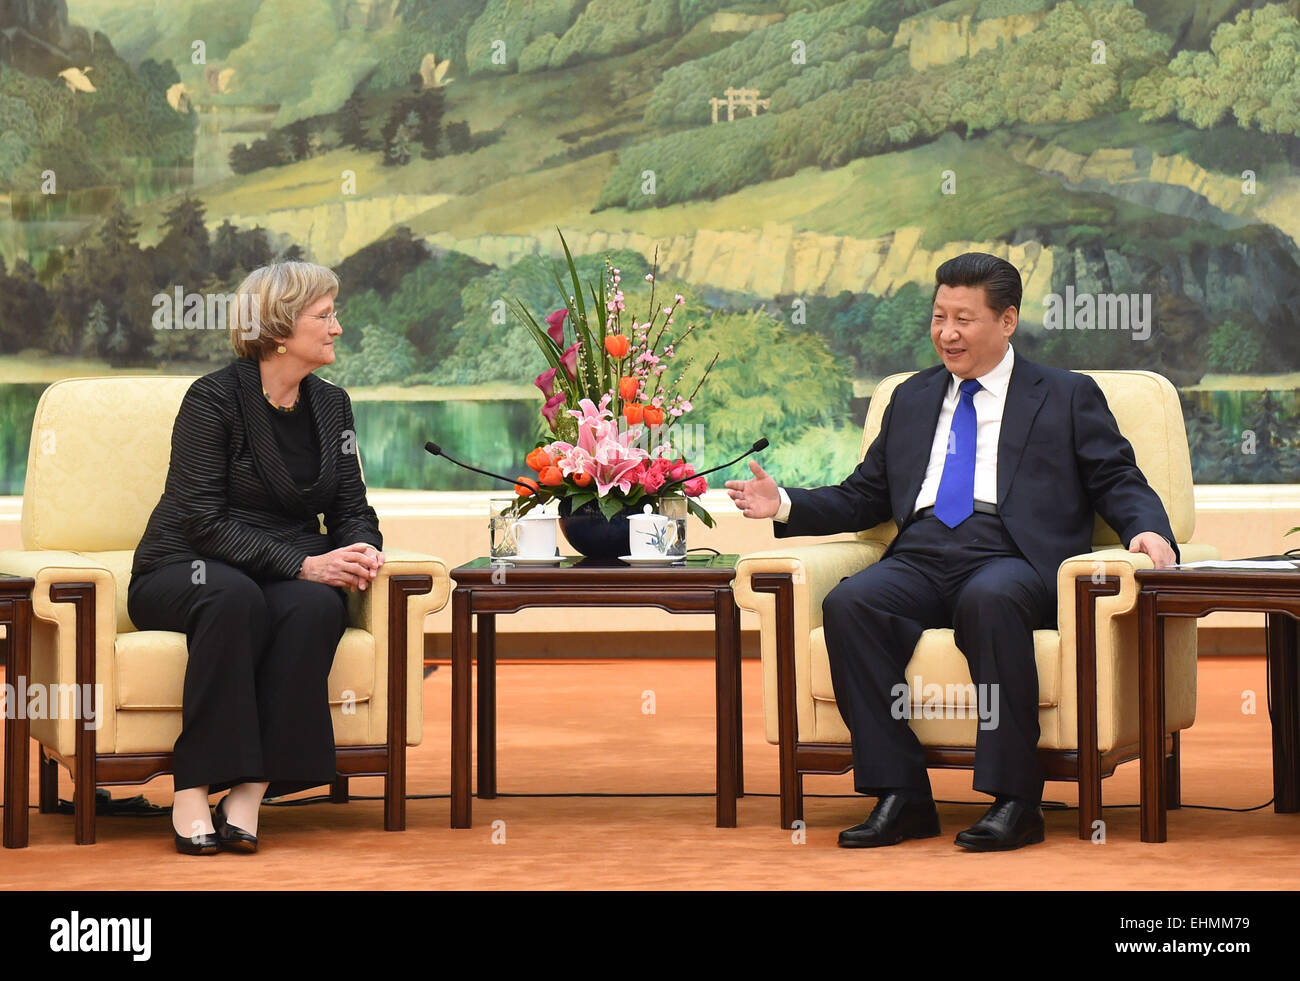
(270, 301)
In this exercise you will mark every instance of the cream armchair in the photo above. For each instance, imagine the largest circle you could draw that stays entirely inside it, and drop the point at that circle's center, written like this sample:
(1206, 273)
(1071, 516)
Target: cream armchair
(98, 461)
(1087, 667)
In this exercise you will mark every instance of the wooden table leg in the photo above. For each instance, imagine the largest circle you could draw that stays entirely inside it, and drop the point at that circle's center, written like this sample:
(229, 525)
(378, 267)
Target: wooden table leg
(486, 626)
(725, 683)
(1151, 688)
(1284, 686)
(739, 702)
(16, 615)
(461, 628)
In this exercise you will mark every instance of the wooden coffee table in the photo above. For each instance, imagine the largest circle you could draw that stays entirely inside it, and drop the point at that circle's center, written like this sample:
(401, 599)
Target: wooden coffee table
(700, 585)
(1194, 593)
(16, 618)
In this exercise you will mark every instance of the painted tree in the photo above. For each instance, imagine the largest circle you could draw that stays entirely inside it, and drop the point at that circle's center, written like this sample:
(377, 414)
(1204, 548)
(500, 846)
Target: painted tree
(1251, 72)
(351, 122)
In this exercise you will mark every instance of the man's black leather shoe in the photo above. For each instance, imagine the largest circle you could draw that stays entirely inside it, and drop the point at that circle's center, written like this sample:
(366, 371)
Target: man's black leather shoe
(894, 818)
(1008, 824)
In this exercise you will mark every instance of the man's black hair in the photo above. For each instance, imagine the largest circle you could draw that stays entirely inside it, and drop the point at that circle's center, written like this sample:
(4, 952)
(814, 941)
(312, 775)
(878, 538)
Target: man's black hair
(1000, 279)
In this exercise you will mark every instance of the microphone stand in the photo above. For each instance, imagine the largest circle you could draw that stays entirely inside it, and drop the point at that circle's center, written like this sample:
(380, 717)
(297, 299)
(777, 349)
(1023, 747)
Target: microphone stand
(760, 444)
(437, 450)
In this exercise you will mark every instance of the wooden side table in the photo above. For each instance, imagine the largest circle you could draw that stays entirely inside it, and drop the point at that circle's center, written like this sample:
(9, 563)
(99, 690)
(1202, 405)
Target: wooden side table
(1194, 593)
(16, 618)
(700, 585)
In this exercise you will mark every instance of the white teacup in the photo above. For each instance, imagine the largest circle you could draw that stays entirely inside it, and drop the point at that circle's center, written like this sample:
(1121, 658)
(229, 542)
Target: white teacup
(535, 536)
(651, 535)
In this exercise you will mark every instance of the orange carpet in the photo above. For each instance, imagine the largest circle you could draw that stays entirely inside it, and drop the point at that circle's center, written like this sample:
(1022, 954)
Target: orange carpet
(568, 728)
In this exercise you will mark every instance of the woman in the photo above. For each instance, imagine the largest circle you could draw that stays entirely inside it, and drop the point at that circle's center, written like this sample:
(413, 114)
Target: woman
(234, 556)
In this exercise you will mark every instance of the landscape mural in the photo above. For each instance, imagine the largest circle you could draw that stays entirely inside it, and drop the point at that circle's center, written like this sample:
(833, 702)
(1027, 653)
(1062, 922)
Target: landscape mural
(796, 168)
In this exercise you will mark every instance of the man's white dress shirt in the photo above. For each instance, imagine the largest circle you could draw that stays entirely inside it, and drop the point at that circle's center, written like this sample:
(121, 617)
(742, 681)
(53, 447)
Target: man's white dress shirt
(989, 402)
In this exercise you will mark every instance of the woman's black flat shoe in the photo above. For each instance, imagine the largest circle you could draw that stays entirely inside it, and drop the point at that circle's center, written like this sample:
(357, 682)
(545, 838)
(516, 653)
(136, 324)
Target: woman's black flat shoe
(229, 837)
(204, 844)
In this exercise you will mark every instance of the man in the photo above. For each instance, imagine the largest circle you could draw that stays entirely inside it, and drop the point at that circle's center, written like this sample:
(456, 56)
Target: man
(992, 467)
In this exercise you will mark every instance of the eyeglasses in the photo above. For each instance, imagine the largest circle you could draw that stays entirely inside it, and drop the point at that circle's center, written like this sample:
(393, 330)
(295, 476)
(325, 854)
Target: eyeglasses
(327, 317)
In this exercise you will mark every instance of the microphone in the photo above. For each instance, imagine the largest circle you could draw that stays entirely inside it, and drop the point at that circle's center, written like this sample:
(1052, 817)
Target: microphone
(760, 444)
(436, 450)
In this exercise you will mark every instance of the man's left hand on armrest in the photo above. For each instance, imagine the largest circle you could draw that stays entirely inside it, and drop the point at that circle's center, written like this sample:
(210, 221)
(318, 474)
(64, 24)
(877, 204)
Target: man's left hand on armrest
(1154, 545)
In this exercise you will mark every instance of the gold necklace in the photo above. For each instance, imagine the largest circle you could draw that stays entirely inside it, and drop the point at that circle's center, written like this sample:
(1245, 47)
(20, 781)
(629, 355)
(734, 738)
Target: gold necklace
(286, 409)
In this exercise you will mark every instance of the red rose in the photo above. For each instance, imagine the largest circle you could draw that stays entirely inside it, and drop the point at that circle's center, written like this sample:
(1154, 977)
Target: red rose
(652, 480)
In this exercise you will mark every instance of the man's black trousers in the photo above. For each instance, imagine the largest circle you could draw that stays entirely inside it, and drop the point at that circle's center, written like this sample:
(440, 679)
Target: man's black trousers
(973, 579)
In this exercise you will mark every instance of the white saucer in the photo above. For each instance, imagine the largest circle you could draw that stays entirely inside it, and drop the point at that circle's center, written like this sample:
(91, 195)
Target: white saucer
(530, 560)
(652, 559)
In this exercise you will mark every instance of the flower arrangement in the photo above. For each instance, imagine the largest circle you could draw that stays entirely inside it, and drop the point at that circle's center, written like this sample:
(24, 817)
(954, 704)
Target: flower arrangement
(608, 403)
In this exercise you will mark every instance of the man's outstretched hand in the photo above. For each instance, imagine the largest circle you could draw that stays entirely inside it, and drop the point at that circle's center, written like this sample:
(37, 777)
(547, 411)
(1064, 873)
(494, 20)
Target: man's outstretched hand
(757, 498)
(1155, 546)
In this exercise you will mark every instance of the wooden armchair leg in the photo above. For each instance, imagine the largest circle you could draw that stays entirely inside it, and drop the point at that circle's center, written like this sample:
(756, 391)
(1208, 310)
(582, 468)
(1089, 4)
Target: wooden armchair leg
(1087, 589)
(339, 790)
(47, 775)
(1173, 774)
(82, 597)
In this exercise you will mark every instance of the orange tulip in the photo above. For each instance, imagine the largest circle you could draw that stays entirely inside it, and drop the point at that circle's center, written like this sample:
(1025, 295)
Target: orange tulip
(581, 478)
(524, 486)
(653, 415)
(628, 387)
(632, 412)
(617, 345)
(538, 459)
(551, 476)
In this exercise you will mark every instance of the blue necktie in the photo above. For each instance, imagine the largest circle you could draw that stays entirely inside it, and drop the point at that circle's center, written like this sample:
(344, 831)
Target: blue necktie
(955, 501)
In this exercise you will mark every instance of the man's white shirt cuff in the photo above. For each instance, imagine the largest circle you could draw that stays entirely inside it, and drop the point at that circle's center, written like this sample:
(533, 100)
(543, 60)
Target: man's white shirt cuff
(783, 512)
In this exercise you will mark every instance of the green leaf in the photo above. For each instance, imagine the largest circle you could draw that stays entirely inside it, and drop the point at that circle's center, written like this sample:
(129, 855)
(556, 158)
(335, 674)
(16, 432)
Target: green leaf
(573, 274)
(548, 346)
(699, 512)
(579, 499)
(611, 505)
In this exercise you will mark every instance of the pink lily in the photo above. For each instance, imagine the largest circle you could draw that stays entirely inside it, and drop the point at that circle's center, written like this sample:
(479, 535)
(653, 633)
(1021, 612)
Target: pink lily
(576, 460)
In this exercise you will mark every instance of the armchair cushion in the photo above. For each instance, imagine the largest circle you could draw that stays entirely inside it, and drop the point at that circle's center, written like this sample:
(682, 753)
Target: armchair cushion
(151, 670)
(937, 661)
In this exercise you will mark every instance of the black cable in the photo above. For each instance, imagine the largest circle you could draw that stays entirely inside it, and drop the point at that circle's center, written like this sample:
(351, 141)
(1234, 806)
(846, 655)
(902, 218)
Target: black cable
(323, 799)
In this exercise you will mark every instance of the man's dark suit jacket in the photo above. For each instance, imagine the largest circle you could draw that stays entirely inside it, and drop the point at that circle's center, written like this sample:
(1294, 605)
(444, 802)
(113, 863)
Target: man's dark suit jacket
(229, 495)
(1060, 458)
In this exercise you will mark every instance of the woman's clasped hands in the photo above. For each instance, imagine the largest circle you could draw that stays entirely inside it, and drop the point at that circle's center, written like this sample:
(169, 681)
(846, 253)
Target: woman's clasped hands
(351, 567)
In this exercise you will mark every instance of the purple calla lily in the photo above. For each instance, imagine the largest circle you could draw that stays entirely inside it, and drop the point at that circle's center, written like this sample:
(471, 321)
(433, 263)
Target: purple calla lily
(570, 359)
(555, 325)
(552, 408)
(546, 382)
